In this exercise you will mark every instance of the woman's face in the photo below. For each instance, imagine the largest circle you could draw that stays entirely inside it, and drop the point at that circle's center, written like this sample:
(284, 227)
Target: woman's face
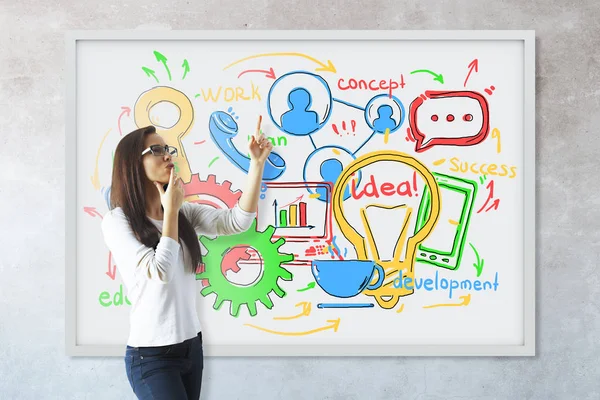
(157, 167)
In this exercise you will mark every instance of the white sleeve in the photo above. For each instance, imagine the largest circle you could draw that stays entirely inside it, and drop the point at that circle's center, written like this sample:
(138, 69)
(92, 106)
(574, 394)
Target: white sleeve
(208, 220)
(132, 256)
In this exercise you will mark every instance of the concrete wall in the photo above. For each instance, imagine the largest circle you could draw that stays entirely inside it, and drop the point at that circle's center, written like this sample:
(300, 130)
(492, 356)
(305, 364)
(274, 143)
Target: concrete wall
(32, 126)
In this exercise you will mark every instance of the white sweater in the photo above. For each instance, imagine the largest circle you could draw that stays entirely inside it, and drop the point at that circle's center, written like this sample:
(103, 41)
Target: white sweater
(161, 292)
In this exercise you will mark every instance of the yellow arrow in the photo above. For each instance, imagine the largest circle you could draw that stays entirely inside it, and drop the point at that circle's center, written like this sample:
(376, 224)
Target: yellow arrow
(334, 324)
(306, 307)
(96, 179)
(465, 302)
(323, 67)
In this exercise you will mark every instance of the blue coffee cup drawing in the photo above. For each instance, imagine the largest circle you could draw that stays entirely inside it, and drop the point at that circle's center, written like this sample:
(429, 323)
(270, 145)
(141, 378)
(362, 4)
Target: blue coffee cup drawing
(346, 278)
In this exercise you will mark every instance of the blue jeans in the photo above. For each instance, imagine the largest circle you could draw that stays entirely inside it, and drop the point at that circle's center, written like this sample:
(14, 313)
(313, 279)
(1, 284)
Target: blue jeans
(171, 372)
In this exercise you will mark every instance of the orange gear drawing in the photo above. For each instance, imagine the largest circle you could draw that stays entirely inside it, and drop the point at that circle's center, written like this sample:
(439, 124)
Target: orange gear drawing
(210, 192)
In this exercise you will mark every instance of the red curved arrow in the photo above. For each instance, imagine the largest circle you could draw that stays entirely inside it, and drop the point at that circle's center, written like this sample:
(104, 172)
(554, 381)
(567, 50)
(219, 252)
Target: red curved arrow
(295, 201)
(269, 74)
(112, 269)
(92, 211)
(126, 110)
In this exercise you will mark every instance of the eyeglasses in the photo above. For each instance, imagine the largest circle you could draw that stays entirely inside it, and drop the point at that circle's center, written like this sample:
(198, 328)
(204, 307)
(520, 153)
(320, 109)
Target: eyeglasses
(159, 150)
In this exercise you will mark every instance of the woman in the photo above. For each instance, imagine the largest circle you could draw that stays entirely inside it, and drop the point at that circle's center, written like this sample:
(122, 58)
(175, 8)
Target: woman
(153, 237)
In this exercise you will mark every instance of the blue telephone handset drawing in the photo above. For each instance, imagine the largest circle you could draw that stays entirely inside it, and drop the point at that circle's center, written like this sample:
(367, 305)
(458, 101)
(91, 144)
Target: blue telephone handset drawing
(223, 129)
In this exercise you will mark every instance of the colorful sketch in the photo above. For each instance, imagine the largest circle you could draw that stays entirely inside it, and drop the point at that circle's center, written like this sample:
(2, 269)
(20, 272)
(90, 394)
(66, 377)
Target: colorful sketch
(386, 295)
(326, 213)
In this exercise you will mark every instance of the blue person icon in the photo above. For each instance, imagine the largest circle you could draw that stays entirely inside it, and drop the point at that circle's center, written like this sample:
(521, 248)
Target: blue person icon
(384, 119)
(299, 120)
(330, 172)
(322, 166)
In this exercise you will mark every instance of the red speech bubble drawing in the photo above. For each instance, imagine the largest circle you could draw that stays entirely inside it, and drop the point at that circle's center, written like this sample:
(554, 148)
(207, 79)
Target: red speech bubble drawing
(452, 118)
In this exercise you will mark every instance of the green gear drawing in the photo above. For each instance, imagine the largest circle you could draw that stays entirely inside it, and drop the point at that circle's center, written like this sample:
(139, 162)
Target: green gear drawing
(259, 290)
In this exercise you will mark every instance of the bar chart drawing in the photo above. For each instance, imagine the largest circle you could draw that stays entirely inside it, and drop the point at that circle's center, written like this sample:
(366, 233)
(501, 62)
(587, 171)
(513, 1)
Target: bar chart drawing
(296, 214)
(292, 216)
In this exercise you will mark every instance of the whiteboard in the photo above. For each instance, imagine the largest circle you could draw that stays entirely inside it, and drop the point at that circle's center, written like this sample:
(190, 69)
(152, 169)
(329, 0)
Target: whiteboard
(397, 210)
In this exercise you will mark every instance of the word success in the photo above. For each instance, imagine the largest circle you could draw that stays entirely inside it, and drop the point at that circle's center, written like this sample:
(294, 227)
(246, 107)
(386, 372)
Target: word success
(482, 168)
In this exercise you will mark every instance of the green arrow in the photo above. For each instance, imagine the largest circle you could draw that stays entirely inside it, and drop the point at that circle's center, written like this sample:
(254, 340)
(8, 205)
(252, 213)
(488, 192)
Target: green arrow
(162, 59)
(479, 264)
(439, 78)
(309, 286)
(186, 68)
(150, 72)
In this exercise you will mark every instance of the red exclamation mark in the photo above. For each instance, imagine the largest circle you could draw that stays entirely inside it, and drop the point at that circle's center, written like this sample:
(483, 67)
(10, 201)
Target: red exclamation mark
(415, 183)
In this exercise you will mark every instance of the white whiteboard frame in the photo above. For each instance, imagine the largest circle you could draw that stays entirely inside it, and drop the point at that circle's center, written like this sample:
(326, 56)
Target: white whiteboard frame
(527, 348)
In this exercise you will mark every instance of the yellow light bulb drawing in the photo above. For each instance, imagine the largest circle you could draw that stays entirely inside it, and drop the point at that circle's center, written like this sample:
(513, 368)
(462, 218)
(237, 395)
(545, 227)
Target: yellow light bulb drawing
(173, 135)
(387, 296)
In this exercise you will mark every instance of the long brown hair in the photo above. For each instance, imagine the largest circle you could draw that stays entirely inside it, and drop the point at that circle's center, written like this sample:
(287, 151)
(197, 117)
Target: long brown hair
(127, 192)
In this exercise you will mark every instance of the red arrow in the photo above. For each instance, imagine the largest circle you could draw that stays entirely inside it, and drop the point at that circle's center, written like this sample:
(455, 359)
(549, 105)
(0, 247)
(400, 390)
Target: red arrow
(269, 74)
(126, 110)
(112, 269)
(474, 65)
(92, 211)
(298, 199)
